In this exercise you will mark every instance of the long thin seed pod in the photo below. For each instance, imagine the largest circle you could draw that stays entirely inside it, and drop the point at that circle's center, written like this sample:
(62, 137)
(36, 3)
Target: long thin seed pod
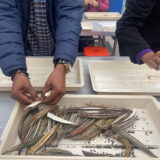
(37, 128)
(58, 119)
(102, 112)
(95, 105)
(90, 131)
(53, 136)
(74, 118)
(96, 111)
(109, 107)
(121, 118)
(124, 141)
(42, 141)
(59, 134)
(103, 106)
(55, 133)
(26, 116)
(31, 132)
(23, 145)
(49, 124)
(82, 120)
(89, 154)
(71, 117)
(107, 124)
(21, 123)
(60, 129)
(92, 135)
(29, 135)
(99, 115)
(116, 146)
(66, 128)
(95, 108)
(43, 126)
(55, 152)
(128, 123)
(81, 128)
(34, 119)
(134, 141)
(32, 105)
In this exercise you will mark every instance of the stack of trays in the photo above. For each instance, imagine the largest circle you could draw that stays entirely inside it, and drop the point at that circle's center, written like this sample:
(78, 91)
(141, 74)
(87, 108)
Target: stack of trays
(102, 15)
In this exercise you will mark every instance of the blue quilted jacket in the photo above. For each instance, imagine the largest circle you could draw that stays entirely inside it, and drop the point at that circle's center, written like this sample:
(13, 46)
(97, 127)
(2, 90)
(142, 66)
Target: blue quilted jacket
(64, 17)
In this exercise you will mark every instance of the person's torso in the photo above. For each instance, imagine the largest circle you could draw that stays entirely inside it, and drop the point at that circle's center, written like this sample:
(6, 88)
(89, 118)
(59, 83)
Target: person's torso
(40, 40)
(151, 28)
(24, 10)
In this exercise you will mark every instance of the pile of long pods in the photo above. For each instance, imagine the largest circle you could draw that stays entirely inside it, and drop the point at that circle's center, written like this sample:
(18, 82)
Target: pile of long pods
(43, 127)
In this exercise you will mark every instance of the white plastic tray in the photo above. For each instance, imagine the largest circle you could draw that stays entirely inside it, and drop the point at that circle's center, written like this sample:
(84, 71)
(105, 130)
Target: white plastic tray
(108, 26)
(86, 26)
(40, 68)
(109, 29)
(102, 15)
(147, 128)
(123, 77)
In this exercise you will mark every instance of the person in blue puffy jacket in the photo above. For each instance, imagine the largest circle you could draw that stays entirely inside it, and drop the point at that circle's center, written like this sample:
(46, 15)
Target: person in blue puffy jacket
(39, 28)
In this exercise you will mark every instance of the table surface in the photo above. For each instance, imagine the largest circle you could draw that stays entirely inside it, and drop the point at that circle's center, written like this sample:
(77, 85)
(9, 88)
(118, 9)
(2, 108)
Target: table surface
(7, 104)
(98, 28)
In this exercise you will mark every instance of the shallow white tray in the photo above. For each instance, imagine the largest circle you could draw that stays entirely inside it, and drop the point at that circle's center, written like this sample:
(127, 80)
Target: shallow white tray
(102, 15)
(146, 128)
(39, 68)
(121, 77)
(109, 29)
(108, 26)
(86, 26)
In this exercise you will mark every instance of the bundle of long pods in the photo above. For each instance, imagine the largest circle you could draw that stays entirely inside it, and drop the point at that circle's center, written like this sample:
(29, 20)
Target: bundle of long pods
(44, 126)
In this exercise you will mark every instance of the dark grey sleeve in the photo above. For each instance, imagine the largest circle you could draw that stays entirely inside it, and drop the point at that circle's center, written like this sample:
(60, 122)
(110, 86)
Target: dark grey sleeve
(129, 38)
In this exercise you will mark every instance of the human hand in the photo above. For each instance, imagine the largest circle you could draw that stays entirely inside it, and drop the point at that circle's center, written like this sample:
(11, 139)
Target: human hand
(86, 2)
(94, 3)
(158, 53)
(152, 59)
(21, 87)
(56, 83)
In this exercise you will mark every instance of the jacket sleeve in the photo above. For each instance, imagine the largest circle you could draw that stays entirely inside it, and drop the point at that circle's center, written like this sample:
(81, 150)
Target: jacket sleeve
(69, 15)
(129, 38)
(12, 56)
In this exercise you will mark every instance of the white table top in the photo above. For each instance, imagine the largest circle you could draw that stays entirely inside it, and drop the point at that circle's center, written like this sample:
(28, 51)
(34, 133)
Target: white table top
(7, 104)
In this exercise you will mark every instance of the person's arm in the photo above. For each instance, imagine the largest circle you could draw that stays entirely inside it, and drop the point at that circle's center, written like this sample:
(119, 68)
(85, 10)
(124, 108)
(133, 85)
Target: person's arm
(103, 5)
(12, 56)
(129, 38)
(69, 15)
